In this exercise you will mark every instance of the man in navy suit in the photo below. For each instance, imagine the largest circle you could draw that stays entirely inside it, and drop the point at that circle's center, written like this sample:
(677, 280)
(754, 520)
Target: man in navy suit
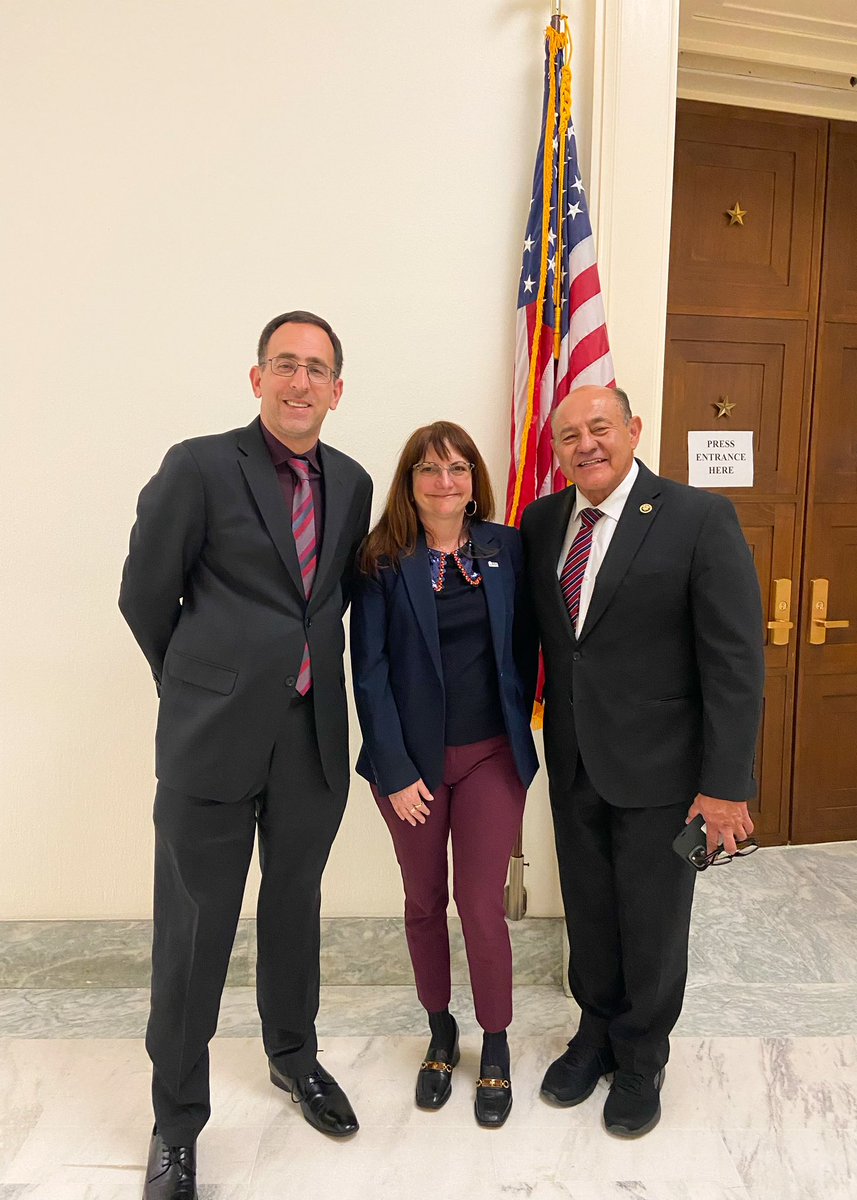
(237, 578)
(649, 613)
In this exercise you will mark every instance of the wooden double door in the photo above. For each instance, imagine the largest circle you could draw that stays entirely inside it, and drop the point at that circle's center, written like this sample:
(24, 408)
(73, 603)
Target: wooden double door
(762, 337)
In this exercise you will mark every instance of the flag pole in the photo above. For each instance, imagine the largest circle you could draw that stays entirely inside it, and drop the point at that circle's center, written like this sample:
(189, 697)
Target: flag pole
(588, 348)
(515, 894)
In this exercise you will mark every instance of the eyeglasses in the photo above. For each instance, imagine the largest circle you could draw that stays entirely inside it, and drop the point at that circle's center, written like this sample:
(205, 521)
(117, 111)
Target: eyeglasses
(456, 470)
(288, 368)
(702, 859)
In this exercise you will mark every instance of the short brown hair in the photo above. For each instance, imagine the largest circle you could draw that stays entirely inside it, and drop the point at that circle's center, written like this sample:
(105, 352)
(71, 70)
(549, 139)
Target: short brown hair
(396, 532)
(299, 317)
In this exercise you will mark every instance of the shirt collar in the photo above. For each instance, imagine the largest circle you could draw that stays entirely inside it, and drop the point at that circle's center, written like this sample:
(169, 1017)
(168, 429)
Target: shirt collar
(612, 506)
(280, 452)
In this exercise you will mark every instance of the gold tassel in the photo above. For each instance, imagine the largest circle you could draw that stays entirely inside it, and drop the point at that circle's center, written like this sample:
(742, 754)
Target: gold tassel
(556, 41)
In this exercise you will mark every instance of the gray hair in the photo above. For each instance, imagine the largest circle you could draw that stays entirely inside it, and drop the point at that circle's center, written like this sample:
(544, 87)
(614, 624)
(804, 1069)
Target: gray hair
(624, 403)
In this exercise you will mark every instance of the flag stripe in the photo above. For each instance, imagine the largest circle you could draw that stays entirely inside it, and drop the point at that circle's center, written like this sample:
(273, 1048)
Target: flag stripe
(560, 331)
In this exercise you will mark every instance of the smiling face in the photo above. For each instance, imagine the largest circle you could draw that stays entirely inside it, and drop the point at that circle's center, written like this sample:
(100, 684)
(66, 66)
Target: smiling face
(593, 442)
(293, 410)
(440, 498)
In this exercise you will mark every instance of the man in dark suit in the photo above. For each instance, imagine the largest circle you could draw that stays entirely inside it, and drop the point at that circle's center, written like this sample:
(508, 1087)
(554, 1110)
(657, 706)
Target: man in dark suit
(649, 614)
(237, 578)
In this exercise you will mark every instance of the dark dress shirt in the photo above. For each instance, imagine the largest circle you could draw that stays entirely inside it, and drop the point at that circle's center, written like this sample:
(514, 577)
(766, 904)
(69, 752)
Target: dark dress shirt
(280, 454)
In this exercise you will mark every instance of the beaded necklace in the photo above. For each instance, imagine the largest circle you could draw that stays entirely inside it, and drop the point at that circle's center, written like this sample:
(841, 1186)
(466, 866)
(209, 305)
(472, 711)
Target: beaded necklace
(437, 559)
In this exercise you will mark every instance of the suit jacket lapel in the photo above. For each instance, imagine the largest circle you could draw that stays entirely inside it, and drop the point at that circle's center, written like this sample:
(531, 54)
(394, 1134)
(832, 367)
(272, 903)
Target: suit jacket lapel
(416, 576)
(550, 552)
(261, 476)
(336, 511)
(495, 592)
(630, 532)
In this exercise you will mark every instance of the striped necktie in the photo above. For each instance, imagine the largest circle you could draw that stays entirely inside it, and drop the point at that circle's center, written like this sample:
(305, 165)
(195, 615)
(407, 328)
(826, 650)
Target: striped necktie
(303, 527)
(571, 579)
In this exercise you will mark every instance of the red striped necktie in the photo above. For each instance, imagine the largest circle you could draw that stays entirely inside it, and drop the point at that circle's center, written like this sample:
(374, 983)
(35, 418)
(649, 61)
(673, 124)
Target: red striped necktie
(303, 527)
(571, 578)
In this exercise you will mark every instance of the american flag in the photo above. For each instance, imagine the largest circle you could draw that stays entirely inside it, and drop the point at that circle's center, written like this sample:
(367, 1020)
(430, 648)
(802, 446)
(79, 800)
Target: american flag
(561, 336)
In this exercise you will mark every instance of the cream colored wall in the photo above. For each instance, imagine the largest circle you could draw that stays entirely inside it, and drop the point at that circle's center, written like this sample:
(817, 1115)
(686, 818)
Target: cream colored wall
(175, 174)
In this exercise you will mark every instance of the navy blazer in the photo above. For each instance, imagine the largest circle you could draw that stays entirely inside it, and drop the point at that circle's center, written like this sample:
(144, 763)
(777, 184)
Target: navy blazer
(396, 663)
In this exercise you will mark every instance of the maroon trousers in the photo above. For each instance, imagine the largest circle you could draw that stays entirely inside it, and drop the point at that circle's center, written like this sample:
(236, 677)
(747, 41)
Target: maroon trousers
(480, 803)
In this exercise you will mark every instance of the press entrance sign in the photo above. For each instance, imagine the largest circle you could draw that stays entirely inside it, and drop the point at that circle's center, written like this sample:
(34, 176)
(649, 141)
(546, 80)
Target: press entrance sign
(716, 459)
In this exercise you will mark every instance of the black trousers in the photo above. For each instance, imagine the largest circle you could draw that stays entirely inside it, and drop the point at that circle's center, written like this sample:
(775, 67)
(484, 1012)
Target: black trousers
(202, 854)
(627, 899)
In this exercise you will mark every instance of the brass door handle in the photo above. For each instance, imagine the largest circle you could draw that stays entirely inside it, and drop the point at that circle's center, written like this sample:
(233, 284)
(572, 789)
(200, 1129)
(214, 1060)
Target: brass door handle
(782, 604)
(819, 624)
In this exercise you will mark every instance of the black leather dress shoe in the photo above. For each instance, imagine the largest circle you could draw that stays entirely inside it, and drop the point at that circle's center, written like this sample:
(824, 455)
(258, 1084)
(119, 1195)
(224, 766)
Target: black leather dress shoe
(434, 1079)
(323, 1102)
(493, 1098)
(170, 1171)
(633, 1106)
(572, 1077)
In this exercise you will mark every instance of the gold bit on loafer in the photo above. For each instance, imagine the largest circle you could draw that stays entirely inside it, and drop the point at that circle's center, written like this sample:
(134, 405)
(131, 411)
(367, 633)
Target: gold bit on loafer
(493, 1083)
(436, 1066)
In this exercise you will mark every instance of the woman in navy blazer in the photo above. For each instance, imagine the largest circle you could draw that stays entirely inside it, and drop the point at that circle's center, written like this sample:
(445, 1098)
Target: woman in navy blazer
(444, 662)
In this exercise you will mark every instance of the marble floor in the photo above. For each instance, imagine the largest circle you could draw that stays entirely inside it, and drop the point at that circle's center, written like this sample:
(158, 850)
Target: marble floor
(760, 1101)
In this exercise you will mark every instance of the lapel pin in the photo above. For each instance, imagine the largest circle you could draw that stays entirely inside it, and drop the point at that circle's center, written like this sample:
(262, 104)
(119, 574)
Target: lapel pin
(645, 508)
(491, 563)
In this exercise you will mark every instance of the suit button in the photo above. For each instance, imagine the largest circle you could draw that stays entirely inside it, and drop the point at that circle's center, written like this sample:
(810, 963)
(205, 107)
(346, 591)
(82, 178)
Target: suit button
(308, 622)
(290, 681)
(577, 656)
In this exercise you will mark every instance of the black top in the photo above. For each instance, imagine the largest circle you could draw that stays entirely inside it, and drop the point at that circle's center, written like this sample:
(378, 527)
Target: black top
(472, 689)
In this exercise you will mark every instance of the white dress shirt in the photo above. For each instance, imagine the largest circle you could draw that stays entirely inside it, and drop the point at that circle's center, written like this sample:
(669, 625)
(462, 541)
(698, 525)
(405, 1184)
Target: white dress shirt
(602, 533)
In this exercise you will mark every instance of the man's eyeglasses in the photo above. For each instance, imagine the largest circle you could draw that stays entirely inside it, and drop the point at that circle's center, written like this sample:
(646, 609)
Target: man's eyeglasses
(289, 367)
(433, 470)
(702, 859)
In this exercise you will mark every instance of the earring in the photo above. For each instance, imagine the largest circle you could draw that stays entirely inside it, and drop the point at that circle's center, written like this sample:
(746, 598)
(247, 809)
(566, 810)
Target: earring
(470, 512)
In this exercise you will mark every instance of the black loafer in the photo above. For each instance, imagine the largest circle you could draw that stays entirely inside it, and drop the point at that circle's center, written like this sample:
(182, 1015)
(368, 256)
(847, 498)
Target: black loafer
(323, 1102)
(633, 1106)
(493, 1098)
(170, 1171)
(572, 1077)
(434, 1078)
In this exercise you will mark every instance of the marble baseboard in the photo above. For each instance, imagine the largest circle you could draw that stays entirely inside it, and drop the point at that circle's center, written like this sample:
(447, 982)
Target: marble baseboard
(786, 918)
(352, 1010)
(354, 951)
(710, 1010)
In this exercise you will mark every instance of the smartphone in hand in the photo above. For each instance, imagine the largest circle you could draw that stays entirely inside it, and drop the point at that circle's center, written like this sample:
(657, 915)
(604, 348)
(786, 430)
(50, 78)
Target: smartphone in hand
(691, 843)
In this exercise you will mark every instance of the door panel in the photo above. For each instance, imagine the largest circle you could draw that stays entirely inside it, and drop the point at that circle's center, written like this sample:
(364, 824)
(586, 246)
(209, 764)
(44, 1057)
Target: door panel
(769, 165)
(770, 532)
(840, 283)
(835, 428)
(825, 782)
(759, 366)
(741, 327)
(826, 760)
